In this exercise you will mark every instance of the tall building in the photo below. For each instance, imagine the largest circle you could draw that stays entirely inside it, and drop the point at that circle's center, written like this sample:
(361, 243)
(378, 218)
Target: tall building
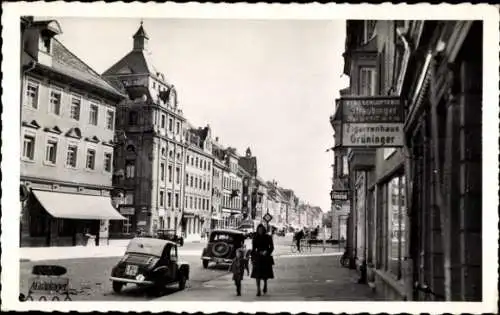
(217, 217)
(151, 154)
(407, 233)
(67, 132)
(250, 185)
(198, 182)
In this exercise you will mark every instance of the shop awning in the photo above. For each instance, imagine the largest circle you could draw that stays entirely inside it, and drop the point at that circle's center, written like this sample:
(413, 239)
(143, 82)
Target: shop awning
(75, 206)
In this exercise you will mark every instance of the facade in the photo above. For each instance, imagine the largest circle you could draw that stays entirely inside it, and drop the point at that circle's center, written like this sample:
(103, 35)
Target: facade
(248, 164)
(217, 221)
(198, 183)
(402, 235)
(150, 158)
(67, 131)
(262, 199)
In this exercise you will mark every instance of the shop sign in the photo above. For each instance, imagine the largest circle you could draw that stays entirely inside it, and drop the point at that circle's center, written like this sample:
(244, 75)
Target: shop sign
(372, 135)
(141, 223)
(372, 121)
(127, 210)
(340, 195)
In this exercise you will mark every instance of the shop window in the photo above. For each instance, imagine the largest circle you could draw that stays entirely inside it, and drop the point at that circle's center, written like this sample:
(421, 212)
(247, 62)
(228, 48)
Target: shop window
(396, 213)
(127, 225)
(64, 227)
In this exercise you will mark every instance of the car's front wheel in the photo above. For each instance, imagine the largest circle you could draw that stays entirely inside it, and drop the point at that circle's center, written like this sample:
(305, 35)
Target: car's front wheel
(205, 264)
(182, 282)
(117, 286)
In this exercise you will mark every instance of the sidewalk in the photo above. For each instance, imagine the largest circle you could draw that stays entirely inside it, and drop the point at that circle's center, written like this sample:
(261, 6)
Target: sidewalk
(319, 278)
(116, 248)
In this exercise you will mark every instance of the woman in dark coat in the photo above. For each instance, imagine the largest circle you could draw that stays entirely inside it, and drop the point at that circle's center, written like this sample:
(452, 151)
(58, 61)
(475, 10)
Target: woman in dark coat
(262, 259)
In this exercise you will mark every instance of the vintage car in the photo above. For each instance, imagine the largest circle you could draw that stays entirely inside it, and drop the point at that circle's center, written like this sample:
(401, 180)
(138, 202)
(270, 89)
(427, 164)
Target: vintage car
(222, 245)
(150, 262)
(170, 235)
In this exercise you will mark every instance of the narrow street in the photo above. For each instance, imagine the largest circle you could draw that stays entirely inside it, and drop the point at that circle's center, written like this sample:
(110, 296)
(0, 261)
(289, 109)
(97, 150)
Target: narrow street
(297, 274)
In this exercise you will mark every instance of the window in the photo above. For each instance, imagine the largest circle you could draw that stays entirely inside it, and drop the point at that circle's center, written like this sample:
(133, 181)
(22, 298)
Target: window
(170, 173)
(367, 79)
(93, 114)
(75, 108)
(176, 200)
(32, 89)
(162, 172)
(108, 160)
(169, 199)
(71, 156)
(90, 159)
(204, 185)
(196, 182)
(209, 165)
(110, 120)
(163, 152)
(177, 127)
(177, 175)
(162, 198)
(170, 124)
(130, 169)
(51, 152)
(191, 181)
(187, 179)
(163, 118)
(196, 163)
(129, 198)
(29, 147)
(190, 202)
(396, 213)
(132, 118)
(55, 102)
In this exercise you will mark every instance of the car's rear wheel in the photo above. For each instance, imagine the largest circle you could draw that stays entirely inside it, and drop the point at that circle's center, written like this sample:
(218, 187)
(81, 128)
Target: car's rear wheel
(117, 286)
(182, 282)
(205, 264)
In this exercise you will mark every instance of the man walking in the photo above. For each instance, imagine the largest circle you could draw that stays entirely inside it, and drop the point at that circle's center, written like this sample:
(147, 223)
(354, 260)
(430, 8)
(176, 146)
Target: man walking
(298, 238)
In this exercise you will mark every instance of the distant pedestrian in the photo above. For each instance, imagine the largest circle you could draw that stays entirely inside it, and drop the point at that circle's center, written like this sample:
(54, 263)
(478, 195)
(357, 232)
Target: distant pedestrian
(298, 238)
(238, 267)
(262, 259)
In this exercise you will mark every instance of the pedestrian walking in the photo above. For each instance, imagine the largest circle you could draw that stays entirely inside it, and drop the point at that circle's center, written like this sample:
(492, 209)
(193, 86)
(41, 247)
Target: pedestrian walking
(238, 267)
(298, 238)
(262, 259)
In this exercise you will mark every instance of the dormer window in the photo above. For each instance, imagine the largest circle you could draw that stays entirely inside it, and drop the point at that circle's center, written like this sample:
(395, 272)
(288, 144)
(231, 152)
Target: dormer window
(44, 43)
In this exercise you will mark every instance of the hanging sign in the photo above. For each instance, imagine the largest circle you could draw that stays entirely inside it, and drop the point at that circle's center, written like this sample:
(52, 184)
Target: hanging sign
(372, 121)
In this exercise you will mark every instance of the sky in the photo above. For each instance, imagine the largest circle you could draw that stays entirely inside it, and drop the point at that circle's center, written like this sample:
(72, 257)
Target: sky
(265, 84)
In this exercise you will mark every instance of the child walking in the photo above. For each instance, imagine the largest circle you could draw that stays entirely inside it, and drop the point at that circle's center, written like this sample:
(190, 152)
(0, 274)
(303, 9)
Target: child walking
(238, 267)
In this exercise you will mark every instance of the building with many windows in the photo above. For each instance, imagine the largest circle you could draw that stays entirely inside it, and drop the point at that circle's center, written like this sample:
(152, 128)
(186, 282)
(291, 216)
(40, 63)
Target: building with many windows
(151, 152)
(414, 227)
(67, 131)
(198, 182)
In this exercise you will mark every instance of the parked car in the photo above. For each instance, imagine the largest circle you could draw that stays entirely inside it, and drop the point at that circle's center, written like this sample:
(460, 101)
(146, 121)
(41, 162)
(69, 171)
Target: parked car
(221, 246)
(170, 235)
(248, 227)
(150, 262)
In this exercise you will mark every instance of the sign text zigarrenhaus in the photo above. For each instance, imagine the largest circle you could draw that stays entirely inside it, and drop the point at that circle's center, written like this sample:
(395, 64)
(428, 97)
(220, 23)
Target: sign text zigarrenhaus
(372, 122)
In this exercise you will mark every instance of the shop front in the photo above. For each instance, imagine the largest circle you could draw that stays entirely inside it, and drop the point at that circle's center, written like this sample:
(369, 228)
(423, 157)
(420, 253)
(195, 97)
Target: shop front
(66, 219)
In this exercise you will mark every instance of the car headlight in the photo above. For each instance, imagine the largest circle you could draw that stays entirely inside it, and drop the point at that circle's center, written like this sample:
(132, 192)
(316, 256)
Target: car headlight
(140, 277)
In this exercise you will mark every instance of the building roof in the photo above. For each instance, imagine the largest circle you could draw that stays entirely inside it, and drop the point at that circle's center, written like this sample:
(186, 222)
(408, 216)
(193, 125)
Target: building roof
(137, 61)
(249, 164)
(67, 63)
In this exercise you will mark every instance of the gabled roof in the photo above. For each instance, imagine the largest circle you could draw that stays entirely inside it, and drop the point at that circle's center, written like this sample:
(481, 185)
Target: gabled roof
(66, 63)
(135, 62)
